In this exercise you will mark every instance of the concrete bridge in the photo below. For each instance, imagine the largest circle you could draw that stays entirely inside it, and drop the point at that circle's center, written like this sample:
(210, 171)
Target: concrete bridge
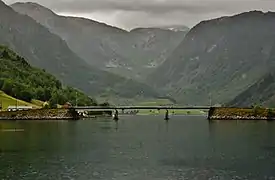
(140, 107)
(116, 108)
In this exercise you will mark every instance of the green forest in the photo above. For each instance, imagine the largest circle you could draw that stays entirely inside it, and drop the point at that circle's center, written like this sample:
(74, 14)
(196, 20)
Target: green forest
(22, 81)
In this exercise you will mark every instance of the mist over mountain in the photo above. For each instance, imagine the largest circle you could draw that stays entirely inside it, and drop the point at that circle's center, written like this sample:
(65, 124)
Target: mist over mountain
(135, 53)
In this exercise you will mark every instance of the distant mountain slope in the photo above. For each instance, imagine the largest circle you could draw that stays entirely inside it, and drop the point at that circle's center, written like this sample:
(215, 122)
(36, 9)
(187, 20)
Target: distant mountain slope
(219, 59)
(133, 53)
(260, 93)
(85, 37)
(48, 51)
(148, 48)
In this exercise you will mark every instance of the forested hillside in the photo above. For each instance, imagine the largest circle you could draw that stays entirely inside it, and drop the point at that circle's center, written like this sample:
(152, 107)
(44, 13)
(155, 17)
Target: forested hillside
(20, 80)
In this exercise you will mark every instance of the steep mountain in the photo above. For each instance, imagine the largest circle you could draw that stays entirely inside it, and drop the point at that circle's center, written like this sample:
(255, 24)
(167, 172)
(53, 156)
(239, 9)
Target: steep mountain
(148, 48)
(45, 50)
(219, 59)
(260, 93)
(85, 37)
(133, 53)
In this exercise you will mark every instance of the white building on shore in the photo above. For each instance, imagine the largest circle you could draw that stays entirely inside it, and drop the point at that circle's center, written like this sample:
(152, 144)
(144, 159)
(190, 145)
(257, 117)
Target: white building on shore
(19, 108)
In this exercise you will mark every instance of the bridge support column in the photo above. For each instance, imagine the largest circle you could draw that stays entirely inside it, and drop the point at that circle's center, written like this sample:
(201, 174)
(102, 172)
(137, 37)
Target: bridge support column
(116, 115)
(166, 117)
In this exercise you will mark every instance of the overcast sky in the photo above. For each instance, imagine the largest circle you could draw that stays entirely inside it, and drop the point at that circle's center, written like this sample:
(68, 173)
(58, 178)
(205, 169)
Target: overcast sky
(129, 14)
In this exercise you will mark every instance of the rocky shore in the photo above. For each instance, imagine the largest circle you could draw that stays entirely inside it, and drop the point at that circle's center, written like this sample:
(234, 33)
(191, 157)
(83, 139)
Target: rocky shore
(222, 113)
(40, 114)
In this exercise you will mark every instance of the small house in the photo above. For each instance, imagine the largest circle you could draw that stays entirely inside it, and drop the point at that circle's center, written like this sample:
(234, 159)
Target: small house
(67, 105)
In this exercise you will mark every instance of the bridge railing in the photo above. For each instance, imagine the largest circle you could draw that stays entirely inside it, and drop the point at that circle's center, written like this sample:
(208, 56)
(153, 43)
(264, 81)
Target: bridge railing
(142, 107)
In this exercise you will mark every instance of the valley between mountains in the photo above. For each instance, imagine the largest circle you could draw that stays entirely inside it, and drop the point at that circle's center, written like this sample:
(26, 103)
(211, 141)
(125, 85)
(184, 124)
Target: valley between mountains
(224, 61)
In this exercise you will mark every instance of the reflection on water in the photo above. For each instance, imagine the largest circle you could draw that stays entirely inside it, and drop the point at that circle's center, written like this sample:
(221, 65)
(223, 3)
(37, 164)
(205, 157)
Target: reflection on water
(135, 148)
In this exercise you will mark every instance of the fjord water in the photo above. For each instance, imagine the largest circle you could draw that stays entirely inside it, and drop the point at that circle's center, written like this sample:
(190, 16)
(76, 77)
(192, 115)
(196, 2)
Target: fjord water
(140, 147)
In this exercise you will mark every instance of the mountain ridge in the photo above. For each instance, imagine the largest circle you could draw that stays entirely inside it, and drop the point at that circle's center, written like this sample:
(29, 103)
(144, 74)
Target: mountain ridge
(218, 59)
(46, 50)
(109, 48)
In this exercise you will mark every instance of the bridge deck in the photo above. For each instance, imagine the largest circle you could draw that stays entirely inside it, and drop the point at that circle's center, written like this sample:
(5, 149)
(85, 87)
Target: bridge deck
(141, 107)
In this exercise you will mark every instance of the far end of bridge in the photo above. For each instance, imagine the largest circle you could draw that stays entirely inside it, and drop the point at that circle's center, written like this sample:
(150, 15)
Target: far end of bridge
(141, 107)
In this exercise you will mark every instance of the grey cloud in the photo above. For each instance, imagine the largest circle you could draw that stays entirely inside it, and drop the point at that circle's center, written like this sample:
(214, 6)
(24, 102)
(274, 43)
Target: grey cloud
(159, 6)
(135, 13)
(154, 6)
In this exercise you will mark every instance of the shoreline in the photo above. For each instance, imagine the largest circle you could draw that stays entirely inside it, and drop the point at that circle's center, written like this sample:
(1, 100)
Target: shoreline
(40, 114)
(258, 114)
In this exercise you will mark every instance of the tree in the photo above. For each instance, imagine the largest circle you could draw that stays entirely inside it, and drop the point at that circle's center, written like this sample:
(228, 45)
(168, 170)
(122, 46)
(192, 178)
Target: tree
(106, 104)
(40, 94)
(26, 95)
(46, 105)
(1, 83)
(270, 114)
(7, 86)
(256, 110)
(52, 104)
(5, 54)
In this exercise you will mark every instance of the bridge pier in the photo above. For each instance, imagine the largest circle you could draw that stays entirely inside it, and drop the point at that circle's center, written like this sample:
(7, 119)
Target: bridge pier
(116, 118)
(166, 117)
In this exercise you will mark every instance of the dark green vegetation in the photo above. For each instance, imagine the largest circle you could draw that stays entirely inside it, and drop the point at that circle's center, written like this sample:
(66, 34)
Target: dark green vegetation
(255, 113)
(135, 53)
(20, 80)
(222, 58)
(48, 51)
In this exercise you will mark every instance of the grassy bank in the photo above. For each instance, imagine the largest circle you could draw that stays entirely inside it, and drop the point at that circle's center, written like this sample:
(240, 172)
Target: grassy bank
(7, 100)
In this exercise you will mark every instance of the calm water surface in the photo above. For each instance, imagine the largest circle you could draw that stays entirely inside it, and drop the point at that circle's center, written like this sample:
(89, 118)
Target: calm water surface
(138, 148)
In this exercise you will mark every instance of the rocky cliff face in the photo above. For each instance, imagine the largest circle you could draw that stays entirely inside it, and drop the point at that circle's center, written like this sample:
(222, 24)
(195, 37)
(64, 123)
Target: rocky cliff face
(133, 54)
(219, 59)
